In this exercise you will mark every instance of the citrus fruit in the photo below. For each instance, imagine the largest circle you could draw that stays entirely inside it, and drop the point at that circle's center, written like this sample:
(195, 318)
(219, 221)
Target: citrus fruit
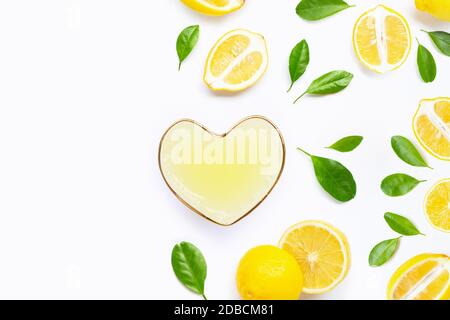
(437, 8)
(322, 252)
(381, 39)
(437, 205)
(237, 61)
(423, 277)
(214, 7)
(431, 125)
(269, 273)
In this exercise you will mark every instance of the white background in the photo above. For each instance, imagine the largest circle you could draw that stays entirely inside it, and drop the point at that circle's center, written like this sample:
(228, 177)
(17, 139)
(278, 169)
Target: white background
(88, 87)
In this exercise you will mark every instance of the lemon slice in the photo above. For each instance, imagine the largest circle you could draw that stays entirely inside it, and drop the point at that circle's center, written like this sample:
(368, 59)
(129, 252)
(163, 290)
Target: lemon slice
(237, 61)
(322, 252)
(423, 277)
(437, 205)
(381, 39)
(214, 7)
(431, 125)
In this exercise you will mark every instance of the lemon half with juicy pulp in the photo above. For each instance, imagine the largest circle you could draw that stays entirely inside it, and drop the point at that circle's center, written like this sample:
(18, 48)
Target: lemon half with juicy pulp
(431, 125)
(423, 277)
(322, 252)
(237, 61)
(382, 39)
(437, 205)
(214, 7)
(269, 273)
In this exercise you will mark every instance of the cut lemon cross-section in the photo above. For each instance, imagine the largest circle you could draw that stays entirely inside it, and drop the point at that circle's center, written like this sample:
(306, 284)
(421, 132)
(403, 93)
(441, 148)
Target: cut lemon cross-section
(423, 277)
(431, 125)
(437, 205)
(214, 7)
(322, 252)
(381, 39)
(237, 61)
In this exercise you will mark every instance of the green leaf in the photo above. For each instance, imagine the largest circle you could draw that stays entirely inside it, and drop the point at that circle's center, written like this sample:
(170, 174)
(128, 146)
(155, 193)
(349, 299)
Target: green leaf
(186, 41)
(328, 83)
(399, 184)
(346, 144)
(319, 9)
(383, 251)
(406, 151)
(189, 266)
(298, 61)
(426, 64)
(441, 39)
(401, 224)
(334, 178)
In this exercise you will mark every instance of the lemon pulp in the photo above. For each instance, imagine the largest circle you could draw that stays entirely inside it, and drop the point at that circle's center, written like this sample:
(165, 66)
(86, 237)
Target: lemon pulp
(237, 61)
(431, 125)
(423, 277)
(322, 252)
(437, 205)
(381, 39)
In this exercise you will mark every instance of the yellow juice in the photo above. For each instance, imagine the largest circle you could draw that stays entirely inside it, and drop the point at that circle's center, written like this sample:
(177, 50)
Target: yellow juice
(222, 177)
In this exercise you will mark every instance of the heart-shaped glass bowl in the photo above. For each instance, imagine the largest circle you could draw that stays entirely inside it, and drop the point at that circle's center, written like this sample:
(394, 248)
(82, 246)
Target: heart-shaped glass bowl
(222, 177)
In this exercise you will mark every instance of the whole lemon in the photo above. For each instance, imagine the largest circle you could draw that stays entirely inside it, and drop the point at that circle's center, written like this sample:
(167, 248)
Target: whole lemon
(269, 273)
(438, 8)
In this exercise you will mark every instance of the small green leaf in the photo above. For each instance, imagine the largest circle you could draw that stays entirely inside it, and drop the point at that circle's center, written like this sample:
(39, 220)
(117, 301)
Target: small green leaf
(328, 83)
(441, 39)
(399, 184)
(298, 61)
(347, 144)
(186, 41)
(319, 9)
(406, 151)
(189, 266)
(401, 224)
(426, 64)
(334, 178)
(383, 251)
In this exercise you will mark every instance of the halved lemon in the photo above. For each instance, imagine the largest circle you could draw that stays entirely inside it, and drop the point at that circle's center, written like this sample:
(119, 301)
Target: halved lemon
(437, 205)
(431, 125)
(381, 39)
(423, 277)
(214, 7)
(237, 61)
(322, 252)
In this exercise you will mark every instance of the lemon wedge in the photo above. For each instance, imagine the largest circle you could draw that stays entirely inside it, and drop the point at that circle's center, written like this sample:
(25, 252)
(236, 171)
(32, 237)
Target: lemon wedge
(437, 205)
(381, 39)
(431, 125)
(237, 61)
(322, 252)
(423, 277)
(214, 7)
